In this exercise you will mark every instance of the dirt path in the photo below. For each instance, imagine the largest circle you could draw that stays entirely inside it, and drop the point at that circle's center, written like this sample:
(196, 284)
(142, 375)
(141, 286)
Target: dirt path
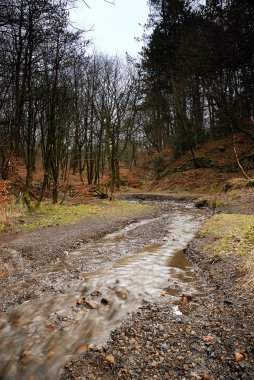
(209, 337)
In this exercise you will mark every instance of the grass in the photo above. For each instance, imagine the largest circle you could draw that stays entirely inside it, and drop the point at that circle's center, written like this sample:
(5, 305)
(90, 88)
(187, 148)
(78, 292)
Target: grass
(50, 215)
(232, 235)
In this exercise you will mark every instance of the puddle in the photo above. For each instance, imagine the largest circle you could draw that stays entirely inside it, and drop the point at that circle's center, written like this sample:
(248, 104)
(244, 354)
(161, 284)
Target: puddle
(37, 336)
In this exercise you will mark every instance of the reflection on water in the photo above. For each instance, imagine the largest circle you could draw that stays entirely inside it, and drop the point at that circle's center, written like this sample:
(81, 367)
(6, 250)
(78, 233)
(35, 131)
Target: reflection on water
(35, 338)
(152, 268)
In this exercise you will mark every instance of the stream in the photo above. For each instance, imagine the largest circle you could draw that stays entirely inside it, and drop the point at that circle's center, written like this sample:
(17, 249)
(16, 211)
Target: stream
(94, 294)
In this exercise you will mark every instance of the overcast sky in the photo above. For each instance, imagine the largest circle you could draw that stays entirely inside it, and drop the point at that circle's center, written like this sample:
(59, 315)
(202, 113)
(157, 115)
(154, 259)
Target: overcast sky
(114, 26)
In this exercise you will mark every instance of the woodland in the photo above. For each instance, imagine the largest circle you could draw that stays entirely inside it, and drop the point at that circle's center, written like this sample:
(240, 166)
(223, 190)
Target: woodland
(90, 114)
(157, 280)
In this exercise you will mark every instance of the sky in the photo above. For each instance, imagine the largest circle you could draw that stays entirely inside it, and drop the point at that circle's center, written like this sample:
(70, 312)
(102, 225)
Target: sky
(114, 27)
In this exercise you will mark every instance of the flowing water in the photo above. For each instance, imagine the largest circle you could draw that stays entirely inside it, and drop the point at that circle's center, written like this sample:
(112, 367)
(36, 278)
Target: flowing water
(37, 336)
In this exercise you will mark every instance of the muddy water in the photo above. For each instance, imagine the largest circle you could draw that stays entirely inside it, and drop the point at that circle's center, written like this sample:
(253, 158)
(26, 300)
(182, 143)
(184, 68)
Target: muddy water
(147, 261)
(153, 268)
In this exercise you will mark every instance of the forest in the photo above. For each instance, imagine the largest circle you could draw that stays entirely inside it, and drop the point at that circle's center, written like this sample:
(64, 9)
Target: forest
(88, 113)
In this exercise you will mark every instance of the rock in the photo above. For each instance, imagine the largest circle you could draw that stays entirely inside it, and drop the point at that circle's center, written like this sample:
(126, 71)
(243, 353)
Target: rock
(96, 293)
(79, 301)
(110, 359)
(185, 298)
(208, 339)
(201, 202)
(161, 328)
(104, 301)
(81, 349)
(27, 353)
(239, 357)
(90, 304)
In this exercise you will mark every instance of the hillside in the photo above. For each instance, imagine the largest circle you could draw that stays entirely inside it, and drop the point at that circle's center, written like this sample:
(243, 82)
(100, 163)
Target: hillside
(217, 163)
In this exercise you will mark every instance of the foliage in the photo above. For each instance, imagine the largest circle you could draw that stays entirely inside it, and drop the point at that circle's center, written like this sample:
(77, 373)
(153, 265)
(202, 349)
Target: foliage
(198, 71)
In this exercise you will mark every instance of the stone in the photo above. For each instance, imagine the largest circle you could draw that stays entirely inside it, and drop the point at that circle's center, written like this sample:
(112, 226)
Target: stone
(110, 359)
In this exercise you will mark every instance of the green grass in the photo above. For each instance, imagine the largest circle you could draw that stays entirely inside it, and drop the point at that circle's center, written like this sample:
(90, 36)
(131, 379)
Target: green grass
(232, 235)
(2, 227)
(50, 215)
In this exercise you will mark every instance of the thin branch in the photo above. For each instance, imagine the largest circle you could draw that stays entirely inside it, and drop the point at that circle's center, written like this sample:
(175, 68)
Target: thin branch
(110, 2)
(88, 6)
